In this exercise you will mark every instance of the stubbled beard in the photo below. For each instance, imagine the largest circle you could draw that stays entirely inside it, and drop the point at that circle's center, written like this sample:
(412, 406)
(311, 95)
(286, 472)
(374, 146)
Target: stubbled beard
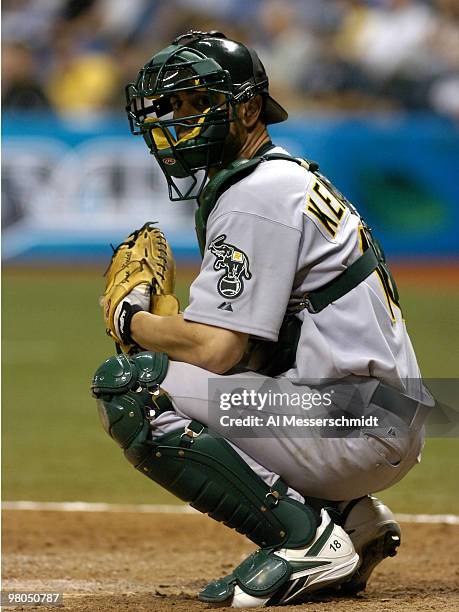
(233, 144)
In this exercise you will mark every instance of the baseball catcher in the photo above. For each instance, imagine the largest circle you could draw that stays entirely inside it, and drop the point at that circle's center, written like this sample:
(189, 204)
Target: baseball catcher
(293, 287)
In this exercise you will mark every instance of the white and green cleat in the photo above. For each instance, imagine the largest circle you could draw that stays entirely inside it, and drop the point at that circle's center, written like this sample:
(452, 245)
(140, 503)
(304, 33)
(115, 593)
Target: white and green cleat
(271, 577)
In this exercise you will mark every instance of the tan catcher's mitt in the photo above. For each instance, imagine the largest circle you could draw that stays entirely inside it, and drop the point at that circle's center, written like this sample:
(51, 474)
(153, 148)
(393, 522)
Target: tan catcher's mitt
(143, 263)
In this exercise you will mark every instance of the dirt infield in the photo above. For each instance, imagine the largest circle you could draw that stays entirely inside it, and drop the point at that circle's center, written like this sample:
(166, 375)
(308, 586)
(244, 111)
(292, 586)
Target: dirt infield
(133, 562)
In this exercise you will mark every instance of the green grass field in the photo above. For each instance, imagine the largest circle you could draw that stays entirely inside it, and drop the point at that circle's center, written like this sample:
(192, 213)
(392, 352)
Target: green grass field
(53, 445)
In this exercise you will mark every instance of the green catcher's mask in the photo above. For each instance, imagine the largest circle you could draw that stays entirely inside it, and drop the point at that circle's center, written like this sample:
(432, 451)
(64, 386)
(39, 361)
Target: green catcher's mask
(214, 73)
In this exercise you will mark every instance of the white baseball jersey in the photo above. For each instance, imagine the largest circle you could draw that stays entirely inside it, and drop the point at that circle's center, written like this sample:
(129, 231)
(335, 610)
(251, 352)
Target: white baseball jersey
(276, 234)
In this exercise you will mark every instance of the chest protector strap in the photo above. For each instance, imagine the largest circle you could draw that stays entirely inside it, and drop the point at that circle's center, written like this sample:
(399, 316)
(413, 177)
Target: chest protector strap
(222, 181)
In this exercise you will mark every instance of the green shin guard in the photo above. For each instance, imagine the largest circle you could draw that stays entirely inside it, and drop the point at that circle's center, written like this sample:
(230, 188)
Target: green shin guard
(194, 464)
(204, 470)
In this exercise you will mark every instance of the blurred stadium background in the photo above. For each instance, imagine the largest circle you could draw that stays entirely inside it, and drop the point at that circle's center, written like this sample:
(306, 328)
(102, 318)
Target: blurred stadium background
(372, 87)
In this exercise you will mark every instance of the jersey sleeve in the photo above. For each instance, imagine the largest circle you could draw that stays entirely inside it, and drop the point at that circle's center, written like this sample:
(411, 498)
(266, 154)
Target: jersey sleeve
(246, 275)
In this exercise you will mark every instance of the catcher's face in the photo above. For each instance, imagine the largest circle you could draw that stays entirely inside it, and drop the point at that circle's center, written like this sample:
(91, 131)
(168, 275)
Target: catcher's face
(184, 116)
(188, 104)
(176, 121)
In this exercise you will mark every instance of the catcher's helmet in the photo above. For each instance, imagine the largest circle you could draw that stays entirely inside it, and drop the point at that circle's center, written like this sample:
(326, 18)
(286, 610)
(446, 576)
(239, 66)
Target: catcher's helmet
(226, 73)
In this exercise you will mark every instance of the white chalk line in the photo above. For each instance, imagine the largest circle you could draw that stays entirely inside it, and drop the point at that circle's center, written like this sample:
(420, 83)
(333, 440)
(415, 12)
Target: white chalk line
(449, 519)
(78, 506)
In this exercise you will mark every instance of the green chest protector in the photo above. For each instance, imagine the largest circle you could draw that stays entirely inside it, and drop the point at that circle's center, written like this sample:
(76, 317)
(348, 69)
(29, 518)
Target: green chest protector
(273, 358)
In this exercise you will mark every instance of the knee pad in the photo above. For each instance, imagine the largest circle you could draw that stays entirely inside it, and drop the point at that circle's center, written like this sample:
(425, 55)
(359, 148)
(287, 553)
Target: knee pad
(129, 396)
(194, 464)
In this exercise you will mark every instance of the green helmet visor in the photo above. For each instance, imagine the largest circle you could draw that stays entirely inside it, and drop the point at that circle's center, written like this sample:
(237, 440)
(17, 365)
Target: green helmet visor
(181, 106)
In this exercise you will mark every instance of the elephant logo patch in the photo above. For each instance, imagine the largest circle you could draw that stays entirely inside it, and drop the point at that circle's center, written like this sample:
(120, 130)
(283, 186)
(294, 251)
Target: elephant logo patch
(235, 265)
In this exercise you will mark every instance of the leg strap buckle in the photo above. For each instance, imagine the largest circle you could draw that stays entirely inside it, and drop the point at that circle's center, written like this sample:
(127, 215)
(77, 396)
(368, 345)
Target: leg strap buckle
(277, 491)
(192, 430)
(273, 498)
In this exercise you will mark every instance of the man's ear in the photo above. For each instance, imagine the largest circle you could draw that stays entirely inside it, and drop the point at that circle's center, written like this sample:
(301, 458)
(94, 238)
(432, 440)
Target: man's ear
(250, 111)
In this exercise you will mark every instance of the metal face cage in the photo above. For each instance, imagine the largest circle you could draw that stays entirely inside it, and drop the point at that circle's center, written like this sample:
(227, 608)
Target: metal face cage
(185, 146)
